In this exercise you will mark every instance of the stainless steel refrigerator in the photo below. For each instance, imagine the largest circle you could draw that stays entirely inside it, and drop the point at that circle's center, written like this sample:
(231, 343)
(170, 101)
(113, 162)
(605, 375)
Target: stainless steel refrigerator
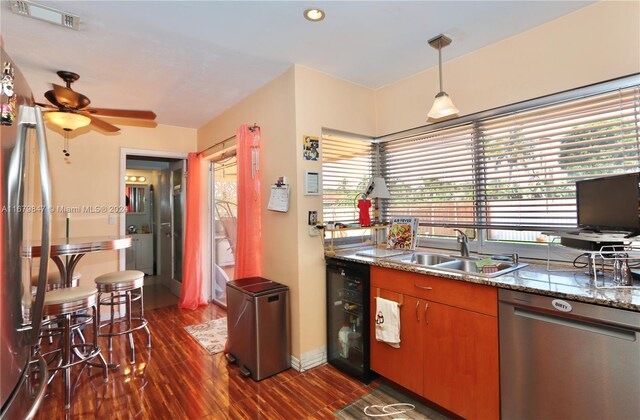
(25, 213)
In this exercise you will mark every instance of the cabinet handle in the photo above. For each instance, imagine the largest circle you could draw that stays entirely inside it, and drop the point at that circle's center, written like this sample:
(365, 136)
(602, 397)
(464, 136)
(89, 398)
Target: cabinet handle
(423, 287)
(417, 313)
(426, 306)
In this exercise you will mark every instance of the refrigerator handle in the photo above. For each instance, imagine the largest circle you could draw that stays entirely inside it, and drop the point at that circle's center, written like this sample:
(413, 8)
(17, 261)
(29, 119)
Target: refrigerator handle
(30, 117)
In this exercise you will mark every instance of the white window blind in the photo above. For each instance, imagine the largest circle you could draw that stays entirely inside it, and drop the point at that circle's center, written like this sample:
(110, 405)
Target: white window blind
(347, 167)
(516, 170)
(531, 160)
(432, 177)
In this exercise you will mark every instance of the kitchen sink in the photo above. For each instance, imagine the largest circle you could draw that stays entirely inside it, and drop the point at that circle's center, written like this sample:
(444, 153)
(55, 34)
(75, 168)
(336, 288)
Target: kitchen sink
(424, 258)
(482, 267)
(466, 265)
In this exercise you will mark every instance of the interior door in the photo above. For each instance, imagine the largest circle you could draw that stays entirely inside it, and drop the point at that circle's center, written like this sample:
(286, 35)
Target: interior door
(165, 252)
(172, 192)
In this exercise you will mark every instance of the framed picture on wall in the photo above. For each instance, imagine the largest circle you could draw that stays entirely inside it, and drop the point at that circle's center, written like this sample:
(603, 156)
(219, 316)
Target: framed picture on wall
(310, 148)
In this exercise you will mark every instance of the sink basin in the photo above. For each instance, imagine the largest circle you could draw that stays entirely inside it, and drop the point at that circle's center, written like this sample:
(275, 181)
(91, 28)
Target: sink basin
(466, 265)
(457, 264)
(424, 258)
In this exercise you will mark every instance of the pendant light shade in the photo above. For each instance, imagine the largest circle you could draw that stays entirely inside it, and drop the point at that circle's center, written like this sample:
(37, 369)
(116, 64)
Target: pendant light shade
(442, 106)
(68, 121)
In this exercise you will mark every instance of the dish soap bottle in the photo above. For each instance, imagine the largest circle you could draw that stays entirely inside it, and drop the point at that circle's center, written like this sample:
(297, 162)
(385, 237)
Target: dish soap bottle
(343, 341)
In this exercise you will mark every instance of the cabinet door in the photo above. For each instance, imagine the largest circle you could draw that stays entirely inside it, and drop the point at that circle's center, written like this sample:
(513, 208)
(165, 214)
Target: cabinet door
(401, 365)
(461, 361)
(130, 255)
(144, 253)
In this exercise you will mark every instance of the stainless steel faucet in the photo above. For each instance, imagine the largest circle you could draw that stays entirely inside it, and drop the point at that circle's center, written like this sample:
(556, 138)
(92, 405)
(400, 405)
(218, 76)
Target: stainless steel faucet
(463, 240)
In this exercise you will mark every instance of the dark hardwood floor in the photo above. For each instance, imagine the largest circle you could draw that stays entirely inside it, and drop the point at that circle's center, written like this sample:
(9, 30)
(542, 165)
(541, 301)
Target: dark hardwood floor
(178, 379)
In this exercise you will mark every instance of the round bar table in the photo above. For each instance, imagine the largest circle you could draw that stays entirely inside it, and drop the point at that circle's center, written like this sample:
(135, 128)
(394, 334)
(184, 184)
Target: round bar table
(75, 249)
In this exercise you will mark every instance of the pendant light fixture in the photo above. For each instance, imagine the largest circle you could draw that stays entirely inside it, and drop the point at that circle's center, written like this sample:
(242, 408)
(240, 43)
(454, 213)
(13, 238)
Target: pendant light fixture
(442, 106)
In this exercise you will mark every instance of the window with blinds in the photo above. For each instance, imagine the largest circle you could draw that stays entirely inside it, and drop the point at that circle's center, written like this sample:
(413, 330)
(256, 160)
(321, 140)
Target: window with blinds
(515, 171)
(432, 177)
(531, 160)
(347, 168)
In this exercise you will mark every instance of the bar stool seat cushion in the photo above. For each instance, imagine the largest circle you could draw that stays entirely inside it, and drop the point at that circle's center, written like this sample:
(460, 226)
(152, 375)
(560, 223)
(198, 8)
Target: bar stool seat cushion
(120, 277)
(69, 294)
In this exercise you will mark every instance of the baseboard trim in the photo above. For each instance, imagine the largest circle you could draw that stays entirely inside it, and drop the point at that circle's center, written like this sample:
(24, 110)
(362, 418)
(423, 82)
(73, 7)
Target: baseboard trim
(309, 359)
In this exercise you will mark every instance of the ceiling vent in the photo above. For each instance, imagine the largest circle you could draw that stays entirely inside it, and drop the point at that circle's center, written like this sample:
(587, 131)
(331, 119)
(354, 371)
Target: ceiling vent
(46, 13)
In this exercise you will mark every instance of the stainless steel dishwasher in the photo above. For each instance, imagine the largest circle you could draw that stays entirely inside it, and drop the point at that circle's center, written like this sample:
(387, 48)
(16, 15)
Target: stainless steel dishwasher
(562, 359)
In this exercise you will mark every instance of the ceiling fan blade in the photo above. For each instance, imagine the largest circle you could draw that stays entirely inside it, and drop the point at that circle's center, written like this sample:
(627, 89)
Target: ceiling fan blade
(123, 113)
(101, 124)
(69, 98)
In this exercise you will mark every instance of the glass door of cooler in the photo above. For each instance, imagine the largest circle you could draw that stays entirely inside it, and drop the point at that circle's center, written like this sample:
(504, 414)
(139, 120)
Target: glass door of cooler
(347, 317)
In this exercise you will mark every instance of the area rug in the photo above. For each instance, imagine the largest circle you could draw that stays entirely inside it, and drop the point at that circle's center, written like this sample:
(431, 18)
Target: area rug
(385, 402)
(211, 334)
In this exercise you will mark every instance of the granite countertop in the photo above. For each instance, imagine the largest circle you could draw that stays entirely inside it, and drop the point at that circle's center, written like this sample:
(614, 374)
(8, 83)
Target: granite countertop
(561, 282)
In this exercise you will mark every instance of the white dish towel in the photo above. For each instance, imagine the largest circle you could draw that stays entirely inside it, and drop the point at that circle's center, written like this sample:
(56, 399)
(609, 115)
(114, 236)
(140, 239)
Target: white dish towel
(388, 322)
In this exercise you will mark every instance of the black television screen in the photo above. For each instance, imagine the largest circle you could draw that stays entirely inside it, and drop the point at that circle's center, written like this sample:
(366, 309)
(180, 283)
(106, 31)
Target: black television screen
(609, 204)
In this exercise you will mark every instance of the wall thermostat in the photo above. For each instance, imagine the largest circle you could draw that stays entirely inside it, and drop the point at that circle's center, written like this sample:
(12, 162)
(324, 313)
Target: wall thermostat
(311, 183)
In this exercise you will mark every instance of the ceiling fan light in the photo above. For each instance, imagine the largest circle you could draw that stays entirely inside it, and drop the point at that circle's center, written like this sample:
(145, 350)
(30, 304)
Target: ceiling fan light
(442, 107)
(67, 120)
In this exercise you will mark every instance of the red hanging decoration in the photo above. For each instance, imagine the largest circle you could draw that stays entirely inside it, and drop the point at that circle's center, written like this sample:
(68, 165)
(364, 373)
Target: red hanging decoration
(364, 205)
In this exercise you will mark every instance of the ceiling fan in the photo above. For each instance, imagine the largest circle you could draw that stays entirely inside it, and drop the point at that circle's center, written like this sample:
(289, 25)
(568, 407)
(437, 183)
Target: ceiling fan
(71, 109)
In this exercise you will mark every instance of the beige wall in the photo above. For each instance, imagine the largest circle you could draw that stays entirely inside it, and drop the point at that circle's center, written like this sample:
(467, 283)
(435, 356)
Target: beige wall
(91, 177)
(272, 108)
(301, 101)
(593, 44)
(322, 101)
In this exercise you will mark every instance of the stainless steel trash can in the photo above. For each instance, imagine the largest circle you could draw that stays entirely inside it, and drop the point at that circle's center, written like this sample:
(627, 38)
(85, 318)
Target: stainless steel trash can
(258, 326)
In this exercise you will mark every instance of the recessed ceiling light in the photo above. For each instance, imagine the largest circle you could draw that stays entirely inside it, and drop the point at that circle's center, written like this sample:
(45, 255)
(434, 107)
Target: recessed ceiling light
(314, 15)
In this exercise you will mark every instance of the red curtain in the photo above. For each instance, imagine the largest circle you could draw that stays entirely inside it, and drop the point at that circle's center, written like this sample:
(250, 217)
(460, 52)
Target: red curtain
(248, 247)
(191, 296)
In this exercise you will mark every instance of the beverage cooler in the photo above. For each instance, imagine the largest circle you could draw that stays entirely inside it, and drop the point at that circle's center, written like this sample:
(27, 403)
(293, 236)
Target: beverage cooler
(348, 318)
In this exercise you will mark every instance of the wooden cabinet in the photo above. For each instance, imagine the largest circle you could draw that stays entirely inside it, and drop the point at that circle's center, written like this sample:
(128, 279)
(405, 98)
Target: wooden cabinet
(139, 255)
(448, 341)
(399, 364)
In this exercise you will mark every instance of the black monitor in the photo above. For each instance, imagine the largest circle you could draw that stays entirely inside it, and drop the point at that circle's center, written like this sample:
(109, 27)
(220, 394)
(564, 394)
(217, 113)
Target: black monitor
(609, 204)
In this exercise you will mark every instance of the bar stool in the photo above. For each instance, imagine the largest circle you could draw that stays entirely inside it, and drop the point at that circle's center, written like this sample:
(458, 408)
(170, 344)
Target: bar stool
(54, 280)
(123, 287)
(67, 310)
